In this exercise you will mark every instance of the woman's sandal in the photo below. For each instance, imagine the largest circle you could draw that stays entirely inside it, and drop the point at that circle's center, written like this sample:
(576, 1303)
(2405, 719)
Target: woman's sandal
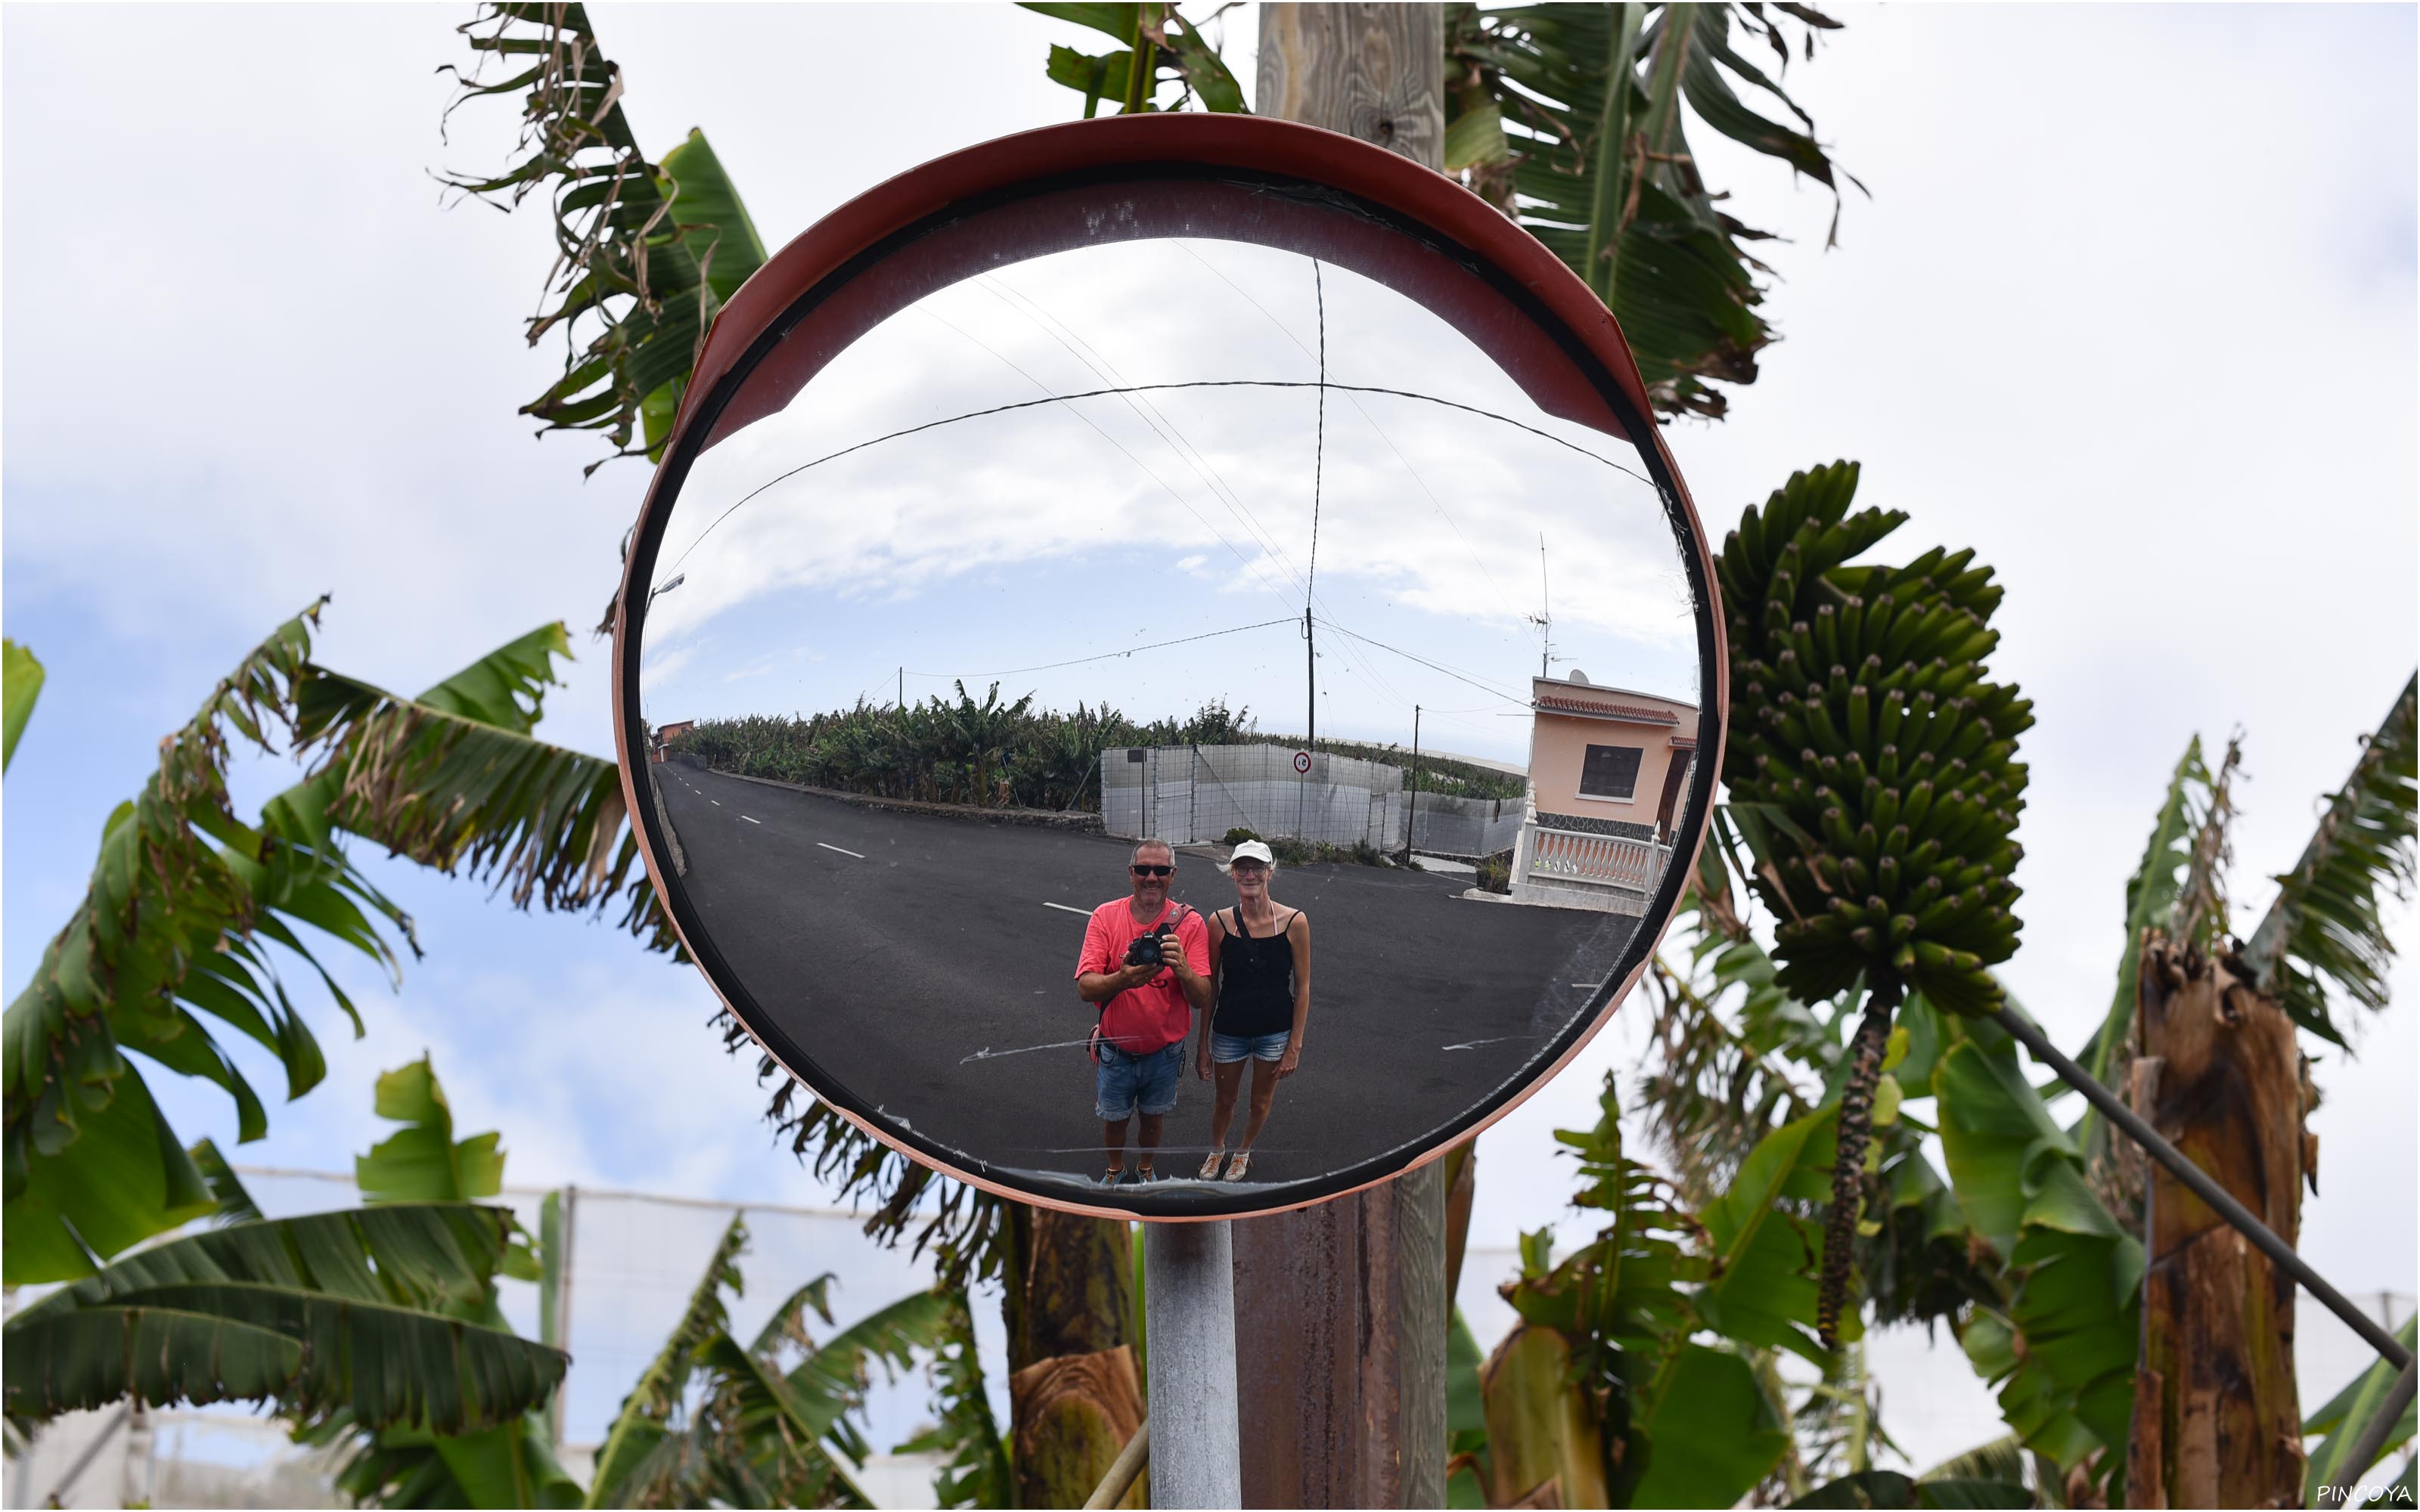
(1209, 1171)
(1240, 1164)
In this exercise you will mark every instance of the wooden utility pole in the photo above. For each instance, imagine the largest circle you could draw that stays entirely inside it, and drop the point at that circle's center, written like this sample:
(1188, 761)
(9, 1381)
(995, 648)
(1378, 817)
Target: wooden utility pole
(1341, 1309)
(2218, 1073)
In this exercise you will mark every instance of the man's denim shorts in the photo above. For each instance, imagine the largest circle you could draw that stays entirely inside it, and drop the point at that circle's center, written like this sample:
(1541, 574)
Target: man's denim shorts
(1125, 1085)
(1226, 1049)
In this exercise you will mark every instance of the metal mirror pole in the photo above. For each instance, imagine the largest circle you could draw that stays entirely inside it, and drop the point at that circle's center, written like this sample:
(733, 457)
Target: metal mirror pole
(1189, 1320)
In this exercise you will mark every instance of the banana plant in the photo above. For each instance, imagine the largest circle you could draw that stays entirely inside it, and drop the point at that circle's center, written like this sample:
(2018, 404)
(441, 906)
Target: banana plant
(1871, 765)
(647, 251)
(1173, 50)
(1575, 120)
(1603, 1394)
(420, 1463)
(191, 909)
(710, 1420)
(352, 1316)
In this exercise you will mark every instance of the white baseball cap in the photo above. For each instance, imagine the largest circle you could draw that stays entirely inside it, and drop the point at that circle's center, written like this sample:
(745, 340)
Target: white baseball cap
(1252, 850)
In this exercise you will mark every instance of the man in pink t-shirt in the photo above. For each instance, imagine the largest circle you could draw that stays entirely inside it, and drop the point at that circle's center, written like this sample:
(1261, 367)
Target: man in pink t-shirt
(1147, 1010)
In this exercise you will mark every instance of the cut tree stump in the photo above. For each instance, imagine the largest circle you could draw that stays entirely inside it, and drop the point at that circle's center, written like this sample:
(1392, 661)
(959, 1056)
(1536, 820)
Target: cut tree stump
(2217, 1421)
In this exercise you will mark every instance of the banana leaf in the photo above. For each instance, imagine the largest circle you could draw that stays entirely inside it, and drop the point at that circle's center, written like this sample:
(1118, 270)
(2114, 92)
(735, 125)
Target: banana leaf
(1575, 120)
(173, 942)
(1712, 1432)
(2344, 1417)
(341, 1311)
(20, 684)
(2061, 1348)
(974, 1469)
(2329, 922)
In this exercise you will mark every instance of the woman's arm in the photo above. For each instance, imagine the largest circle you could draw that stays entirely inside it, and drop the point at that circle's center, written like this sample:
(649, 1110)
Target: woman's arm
(1218, 958)
(1299, 935)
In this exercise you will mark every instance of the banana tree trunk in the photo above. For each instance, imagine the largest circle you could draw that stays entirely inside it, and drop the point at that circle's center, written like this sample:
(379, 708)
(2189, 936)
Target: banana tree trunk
(1075, 1395)
(2217, 1419)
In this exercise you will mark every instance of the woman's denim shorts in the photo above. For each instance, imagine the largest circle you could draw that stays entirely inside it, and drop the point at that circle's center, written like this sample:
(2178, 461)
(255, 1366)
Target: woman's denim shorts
(1226, 1049)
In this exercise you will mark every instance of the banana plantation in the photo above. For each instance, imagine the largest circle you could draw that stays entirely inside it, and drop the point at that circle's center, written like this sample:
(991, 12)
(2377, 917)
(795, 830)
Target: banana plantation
(989, 753)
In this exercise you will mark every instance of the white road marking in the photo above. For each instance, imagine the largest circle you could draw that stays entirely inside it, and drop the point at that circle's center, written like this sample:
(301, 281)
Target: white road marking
(986, 1052)
(716, 802)
(752, 821)
(1065, 909)
(860, 854)
(1473, 1044)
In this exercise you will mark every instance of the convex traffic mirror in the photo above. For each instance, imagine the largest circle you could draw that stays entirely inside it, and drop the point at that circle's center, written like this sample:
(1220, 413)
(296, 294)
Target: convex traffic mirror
(1166, 669)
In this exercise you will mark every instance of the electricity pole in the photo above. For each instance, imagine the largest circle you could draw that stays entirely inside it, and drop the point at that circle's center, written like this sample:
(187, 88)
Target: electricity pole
(1341, 1309)
(1310, 682)
(1411, 819)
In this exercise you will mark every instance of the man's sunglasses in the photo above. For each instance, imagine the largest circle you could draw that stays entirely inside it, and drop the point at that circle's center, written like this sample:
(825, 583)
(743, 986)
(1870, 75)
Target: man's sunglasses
(1152, 871)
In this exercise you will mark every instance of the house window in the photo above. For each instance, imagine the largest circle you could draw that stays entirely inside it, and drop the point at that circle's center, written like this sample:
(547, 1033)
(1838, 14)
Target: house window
(1609, 772)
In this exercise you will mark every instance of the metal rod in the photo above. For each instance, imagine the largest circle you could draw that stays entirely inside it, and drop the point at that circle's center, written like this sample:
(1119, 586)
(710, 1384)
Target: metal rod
(91, 1452)
(1121, 1478)
(1189, 1324)
(2199, 1182)
(2372, 1443)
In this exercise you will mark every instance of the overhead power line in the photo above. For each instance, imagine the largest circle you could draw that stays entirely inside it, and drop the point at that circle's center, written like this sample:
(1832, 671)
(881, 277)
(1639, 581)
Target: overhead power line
(1142, 388)
(1112, 656)
(1439, 666)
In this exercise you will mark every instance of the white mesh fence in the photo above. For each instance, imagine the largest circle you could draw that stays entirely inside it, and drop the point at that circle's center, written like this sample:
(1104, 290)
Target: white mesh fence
(1195, 795)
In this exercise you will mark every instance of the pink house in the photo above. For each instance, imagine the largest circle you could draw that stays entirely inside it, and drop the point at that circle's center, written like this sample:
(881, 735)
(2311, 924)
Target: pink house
(1608, 768)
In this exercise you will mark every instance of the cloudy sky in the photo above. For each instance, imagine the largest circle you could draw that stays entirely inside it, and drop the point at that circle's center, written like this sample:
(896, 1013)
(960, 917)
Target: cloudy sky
(897, 515)
(2131, 311)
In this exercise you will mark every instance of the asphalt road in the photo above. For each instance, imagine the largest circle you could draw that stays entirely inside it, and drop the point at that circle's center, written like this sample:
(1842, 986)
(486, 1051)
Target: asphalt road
(928, 964)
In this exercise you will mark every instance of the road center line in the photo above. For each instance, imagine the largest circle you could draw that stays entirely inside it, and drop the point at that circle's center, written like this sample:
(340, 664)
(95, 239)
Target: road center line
(860, 854)
(752, 821)
(1065, 909)
(716, 802)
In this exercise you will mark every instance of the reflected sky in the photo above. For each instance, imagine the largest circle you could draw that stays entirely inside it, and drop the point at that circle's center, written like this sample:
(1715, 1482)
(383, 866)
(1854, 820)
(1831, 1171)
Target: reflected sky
(954, 497)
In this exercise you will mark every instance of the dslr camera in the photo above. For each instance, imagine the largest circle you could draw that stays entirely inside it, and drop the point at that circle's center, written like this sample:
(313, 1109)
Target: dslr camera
(1146, 951)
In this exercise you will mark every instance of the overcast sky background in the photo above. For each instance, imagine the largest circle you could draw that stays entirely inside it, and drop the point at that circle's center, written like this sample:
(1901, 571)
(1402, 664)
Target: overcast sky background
(2131, 311)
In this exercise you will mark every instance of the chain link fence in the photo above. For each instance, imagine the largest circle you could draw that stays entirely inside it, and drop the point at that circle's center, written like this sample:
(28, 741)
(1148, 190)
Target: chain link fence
(1195, 795)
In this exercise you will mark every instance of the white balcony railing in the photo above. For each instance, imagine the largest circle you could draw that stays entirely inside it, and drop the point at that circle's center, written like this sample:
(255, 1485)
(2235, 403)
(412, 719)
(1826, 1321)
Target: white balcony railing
(1573, 863)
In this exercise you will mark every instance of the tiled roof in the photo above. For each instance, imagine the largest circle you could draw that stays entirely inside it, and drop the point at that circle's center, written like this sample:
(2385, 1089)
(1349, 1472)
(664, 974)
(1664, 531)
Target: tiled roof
(1631, 712)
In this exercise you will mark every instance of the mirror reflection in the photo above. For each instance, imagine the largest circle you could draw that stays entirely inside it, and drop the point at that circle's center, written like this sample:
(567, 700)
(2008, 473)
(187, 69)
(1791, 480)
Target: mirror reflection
(1167, 709)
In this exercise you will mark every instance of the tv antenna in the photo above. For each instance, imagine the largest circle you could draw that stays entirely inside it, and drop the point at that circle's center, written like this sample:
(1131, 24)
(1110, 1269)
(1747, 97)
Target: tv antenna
(1545, 618)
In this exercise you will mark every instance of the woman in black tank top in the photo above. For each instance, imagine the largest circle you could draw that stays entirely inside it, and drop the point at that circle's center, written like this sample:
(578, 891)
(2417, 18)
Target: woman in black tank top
(1260, 976)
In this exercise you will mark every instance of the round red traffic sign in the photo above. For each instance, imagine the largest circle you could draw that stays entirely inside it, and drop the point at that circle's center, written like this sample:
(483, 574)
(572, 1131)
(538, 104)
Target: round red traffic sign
(1302, 760)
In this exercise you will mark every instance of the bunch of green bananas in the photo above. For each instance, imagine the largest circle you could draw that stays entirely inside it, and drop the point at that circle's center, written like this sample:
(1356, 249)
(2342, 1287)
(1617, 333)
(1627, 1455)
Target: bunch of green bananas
(1870, 759)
